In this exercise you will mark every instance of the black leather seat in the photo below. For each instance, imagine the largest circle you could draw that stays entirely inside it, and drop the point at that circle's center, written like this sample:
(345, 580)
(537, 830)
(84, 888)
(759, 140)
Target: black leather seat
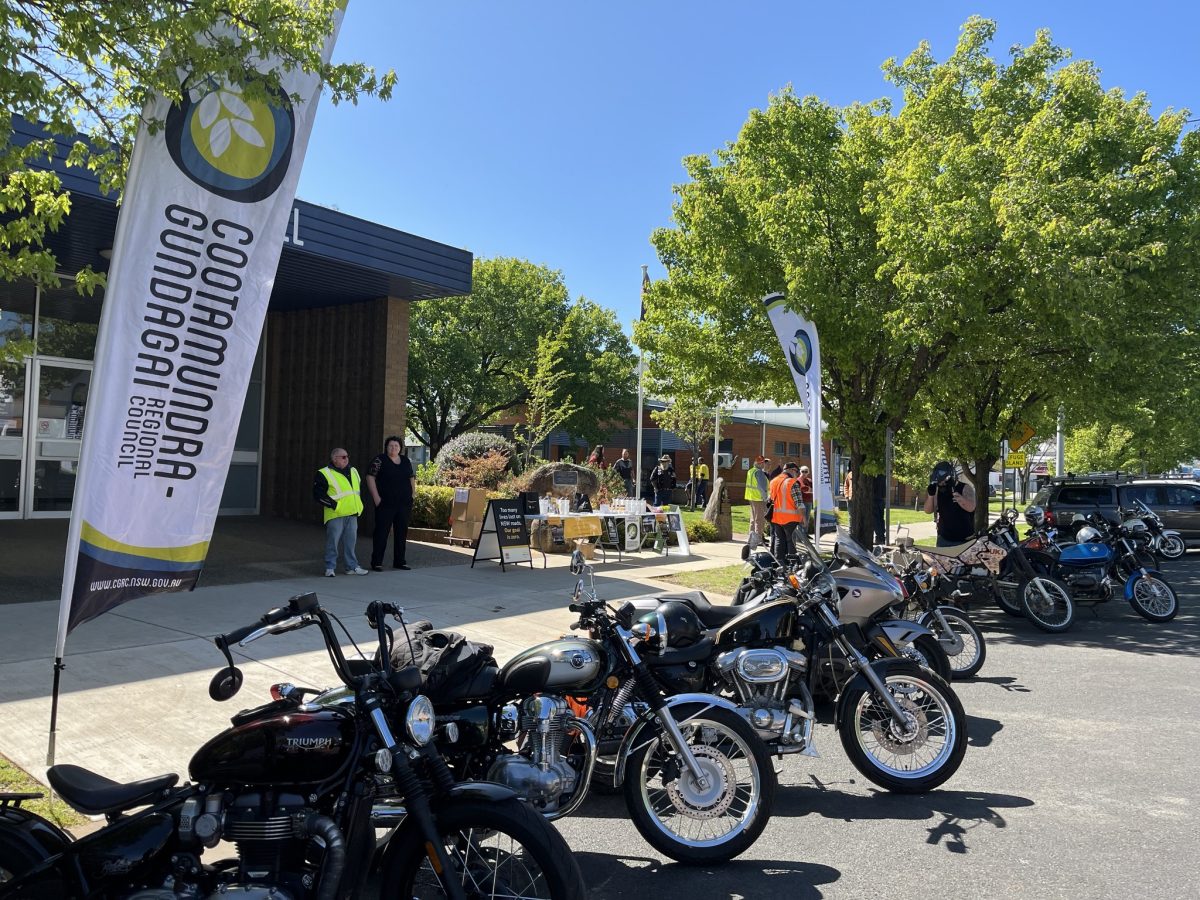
(713, 616)
(94, 794)
(675, 656)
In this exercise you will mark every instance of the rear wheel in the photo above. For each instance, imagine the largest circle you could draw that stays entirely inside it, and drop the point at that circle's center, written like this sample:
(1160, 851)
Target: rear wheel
(1047, 603)
(925, 650)
(16, 858)
(1154, 599)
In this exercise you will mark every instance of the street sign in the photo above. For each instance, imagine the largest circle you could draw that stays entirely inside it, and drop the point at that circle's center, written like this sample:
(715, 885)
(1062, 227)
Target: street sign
(1016, 461)
(1020, 437)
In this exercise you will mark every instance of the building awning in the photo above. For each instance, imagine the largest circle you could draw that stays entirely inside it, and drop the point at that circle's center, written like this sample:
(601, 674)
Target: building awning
(329, 258)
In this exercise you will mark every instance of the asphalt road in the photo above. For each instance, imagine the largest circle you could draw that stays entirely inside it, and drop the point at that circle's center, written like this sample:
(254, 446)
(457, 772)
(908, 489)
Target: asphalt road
(1080, 780)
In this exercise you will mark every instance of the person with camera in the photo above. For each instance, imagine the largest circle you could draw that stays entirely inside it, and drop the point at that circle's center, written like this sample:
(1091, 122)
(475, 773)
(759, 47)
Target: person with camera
(952, 503)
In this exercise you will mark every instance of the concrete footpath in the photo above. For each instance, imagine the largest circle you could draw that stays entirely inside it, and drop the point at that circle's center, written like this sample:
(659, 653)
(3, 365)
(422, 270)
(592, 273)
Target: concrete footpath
(134, 700)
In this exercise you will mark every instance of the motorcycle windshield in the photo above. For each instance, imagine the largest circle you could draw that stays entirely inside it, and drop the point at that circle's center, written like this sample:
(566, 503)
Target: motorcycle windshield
(856, 554)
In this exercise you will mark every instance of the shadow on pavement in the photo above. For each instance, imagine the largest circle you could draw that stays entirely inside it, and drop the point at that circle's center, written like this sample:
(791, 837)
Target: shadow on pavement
(953, 814)
(610, 876)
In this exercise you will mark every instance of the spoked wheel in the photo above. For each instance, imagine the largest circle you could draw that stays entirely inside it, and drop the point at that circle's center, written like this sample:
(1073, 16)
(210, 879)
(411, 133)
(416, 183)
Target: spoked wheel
(1172, 546)
(1154, 599)
(964, 646)
(925, 650)
(912, 757)
(1006, 590)
(693, 822)
(1047, 603)
(500, 850)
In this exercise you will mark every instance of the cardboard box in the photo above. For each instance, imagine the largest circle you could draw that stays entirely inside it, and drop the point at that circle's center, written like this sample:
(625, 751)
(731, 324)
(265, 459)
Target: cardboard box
(467, 512)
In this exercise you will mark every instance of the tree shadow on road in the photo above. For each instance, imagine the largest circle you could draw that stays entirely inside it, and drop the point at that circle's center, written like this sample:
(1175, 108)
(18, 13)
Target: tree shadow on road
(953, 814)
(609, 877)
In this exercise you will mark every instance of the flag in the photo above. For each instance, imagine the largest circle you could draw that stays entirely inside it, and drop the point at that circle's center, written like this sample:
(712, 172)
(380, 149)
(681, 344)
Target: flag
(798, 337)
(197, 244)
(645, 291)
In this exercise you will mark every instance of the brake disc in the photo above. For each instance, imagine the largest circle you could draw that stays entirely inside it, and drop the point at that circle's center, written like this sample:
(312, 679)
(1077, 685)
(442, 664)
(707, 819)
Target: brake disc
(907, 742)
(687, 797)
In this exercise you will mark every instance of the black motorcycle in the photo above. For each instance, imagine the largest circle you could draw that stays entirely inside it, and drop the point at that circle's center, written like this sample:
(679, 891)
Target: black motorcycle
(299, 789)
(900, 724)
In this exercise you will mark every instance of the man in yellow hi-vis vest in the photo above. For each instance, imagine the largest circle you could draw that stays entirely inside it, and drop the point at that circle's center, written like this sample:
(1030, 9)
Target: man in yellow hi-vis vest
(338, 489)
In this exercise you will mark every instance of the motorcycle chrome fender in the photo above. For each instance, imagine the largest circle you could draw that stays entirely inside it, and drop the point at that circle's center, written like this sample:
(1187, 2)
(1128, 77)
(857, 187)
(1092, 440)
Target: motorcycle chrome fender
(630, 742)
(1134, 578)
(882, 668)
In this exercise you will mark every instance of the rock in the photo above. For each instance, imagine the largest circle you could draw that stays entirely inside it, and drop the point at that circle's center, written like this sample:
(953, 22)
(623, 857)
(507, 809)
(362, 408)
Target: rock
(542, 480)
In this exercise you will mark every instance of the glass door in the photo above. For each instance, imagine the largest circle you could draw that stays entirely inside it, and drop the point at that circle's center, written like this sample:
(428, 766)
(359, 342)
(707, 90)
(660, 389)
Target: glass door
(58, 398)
(14, 375)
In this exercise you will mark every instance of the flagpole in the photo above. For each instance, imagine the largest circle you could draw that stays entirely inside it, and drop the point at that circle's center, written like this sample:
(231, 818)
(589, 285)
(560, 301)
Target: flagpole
(637, 490)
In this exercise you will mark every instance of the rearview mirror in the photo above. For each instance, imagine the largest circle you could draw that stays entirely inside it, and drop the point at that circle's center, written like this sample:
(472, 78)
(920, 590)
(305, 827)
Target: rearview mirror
(578, 564)
(745, 552)
(225, 684)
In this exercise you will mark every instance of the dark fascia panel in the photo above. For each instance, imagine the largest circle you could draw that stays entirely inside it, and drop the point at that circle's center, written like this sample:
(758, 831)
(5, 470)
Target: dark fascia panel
(329, 258)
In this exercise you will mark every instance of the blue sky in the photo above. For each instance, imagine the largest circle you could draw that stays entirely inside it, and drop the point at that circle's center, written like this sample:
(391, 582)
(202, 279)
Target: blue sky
(555, 131)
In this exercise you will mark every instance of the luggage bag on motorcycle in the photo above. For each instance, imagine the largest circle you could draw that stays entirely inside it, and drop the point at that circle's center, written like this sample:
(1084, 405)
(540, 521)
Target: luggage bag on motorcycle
(452, 667)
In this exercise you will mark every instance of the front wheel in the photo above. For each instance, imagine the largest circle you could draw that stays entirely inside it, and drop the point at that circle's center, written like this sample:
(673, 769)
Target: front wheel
(1154, 599)
(499, 849)
(1172, 546)
(693, 823)
(1047, 603)
(910, 757)
(964, 647)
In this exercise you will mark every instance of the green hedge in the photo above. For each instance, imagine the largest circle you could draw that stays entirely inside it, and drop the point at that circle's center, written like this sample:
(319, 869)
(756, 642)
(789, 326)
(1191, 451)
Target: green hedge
(701, 531)
(431, 507)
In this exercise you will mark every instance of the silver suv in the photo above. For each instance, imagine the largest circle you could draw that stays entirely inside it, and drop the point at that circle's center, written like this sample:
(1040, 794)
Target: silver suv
(1177, 501)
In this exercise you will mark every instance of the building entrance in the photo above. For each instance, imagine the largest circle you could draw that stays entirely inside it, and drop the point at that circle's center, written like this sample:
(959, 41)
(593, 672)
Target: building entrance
(58, 396)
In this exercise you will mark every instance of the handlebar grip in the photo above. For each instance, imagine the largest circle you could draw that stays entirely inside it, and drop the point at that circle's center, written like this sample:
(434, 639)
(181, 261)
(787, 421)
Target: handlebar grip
(574, 608)
(237, 634)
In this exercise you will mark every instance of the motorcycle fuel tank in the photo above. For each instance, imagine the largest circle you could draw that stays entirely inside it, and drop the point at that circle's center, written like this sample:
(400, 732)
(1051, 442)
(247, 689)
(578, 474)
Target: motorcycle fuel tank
(767, 623)
(568, 664)
(1084, 554)
(861, 595)
(282, 748)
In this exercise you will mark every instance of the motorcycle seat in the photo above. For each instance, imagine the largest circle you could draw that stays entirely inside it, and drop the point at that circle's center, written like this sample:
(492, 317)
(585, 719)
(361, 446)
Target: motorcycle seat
(95, 795)
(949, 552)
(674, 656)
(712, 615)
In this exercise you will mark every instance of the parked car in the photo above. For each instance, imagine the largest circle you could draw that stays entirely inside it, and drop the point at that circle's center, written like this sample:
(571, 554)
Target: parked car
(1176, 500)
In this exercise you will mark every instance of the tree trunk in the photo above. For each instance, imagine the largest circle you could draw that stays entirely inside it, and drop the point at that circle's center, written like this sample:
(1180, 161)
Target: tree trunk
(862, 502)
(979, 479)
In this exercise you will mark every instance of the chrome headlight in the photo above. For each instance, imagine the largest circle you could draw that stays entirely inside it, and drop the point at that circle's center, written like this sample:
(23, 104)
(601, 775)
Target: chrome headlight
(419, 721)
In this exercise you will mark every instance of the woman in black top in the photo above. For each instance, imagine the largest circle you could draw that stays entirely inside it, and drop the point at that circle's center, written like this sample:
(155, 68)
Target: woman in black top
(393, 484)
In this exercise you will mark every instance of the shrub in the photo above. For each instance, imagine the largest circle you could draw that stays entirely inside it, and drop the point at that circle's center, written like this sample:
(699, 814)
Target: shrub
(700, 531)
(431, 506)
(473, 445)
(485, 471)
(427, 472)
(611, 484)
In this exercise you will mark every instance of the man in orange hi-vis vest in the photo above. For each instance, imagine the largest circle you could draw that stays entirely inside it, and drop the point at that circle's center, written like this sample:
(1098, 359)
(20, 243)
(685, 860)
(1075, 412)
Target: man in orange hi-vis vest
(787, 509)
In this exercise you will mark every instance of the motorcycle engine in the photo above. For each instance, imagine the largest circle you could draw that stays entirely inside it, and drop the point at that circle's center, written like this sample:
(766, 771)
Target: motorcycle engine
(538, 771)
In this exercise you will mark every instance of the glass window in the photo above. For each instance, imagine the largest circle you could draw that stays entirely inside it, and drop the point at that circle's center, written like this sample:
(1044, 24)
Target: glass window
(793, 449)
(241, 487)
(1081, 495)
(781, 448)
(17, 300)
(1182, 495)
(1150, 494)
(67, 322)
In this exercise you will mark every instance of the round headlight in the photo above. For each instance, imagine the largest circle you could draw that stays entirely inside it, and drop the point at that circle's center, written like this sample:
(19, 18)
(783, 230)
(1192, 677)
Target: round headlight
(419, 721)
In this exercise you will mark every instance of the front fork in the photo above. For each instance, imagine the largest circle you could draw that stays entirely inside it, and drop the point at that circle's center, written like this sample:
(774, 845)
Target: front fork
(862, 665)
(658, 703)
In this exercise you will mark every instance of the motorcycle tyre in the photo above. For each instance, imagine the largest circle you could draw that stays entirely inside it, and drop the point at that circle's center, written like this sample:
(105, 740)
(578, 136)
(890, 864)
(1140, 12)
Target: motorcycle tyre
(16, 857)
(514, 818)
(1153, 616)
(1172, 546)
(963, 622)
(699, 856)
(929, 647)
(862, 760)
(1049, 627)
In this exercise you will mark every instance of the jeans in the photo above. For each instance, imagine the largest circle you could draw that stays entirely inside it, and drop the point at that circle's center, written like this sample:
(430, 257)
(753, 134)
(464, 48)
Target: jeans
(701, 491)
(661, 498)
(341, 532)
(387, 518)
(782, 543)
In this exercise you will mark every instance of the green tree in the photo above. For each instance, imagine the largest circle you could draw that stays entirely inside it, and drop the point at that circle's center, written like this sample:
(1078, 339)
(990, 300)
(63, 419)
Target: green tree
(694, 421)
(547, 405)
(966, 260)
(600, 372)
(92, 67)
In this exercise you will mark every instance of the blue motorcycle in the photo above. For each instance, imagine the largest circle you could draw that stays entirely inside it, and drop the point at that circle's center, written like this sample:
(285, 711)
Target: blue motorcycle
(1104, 558)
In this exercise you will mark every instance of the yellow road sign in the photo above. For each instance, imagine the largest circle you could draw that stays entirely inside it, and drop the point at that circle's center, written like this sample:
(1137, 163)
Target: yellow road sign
(1020, 436)
(1016, 460)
